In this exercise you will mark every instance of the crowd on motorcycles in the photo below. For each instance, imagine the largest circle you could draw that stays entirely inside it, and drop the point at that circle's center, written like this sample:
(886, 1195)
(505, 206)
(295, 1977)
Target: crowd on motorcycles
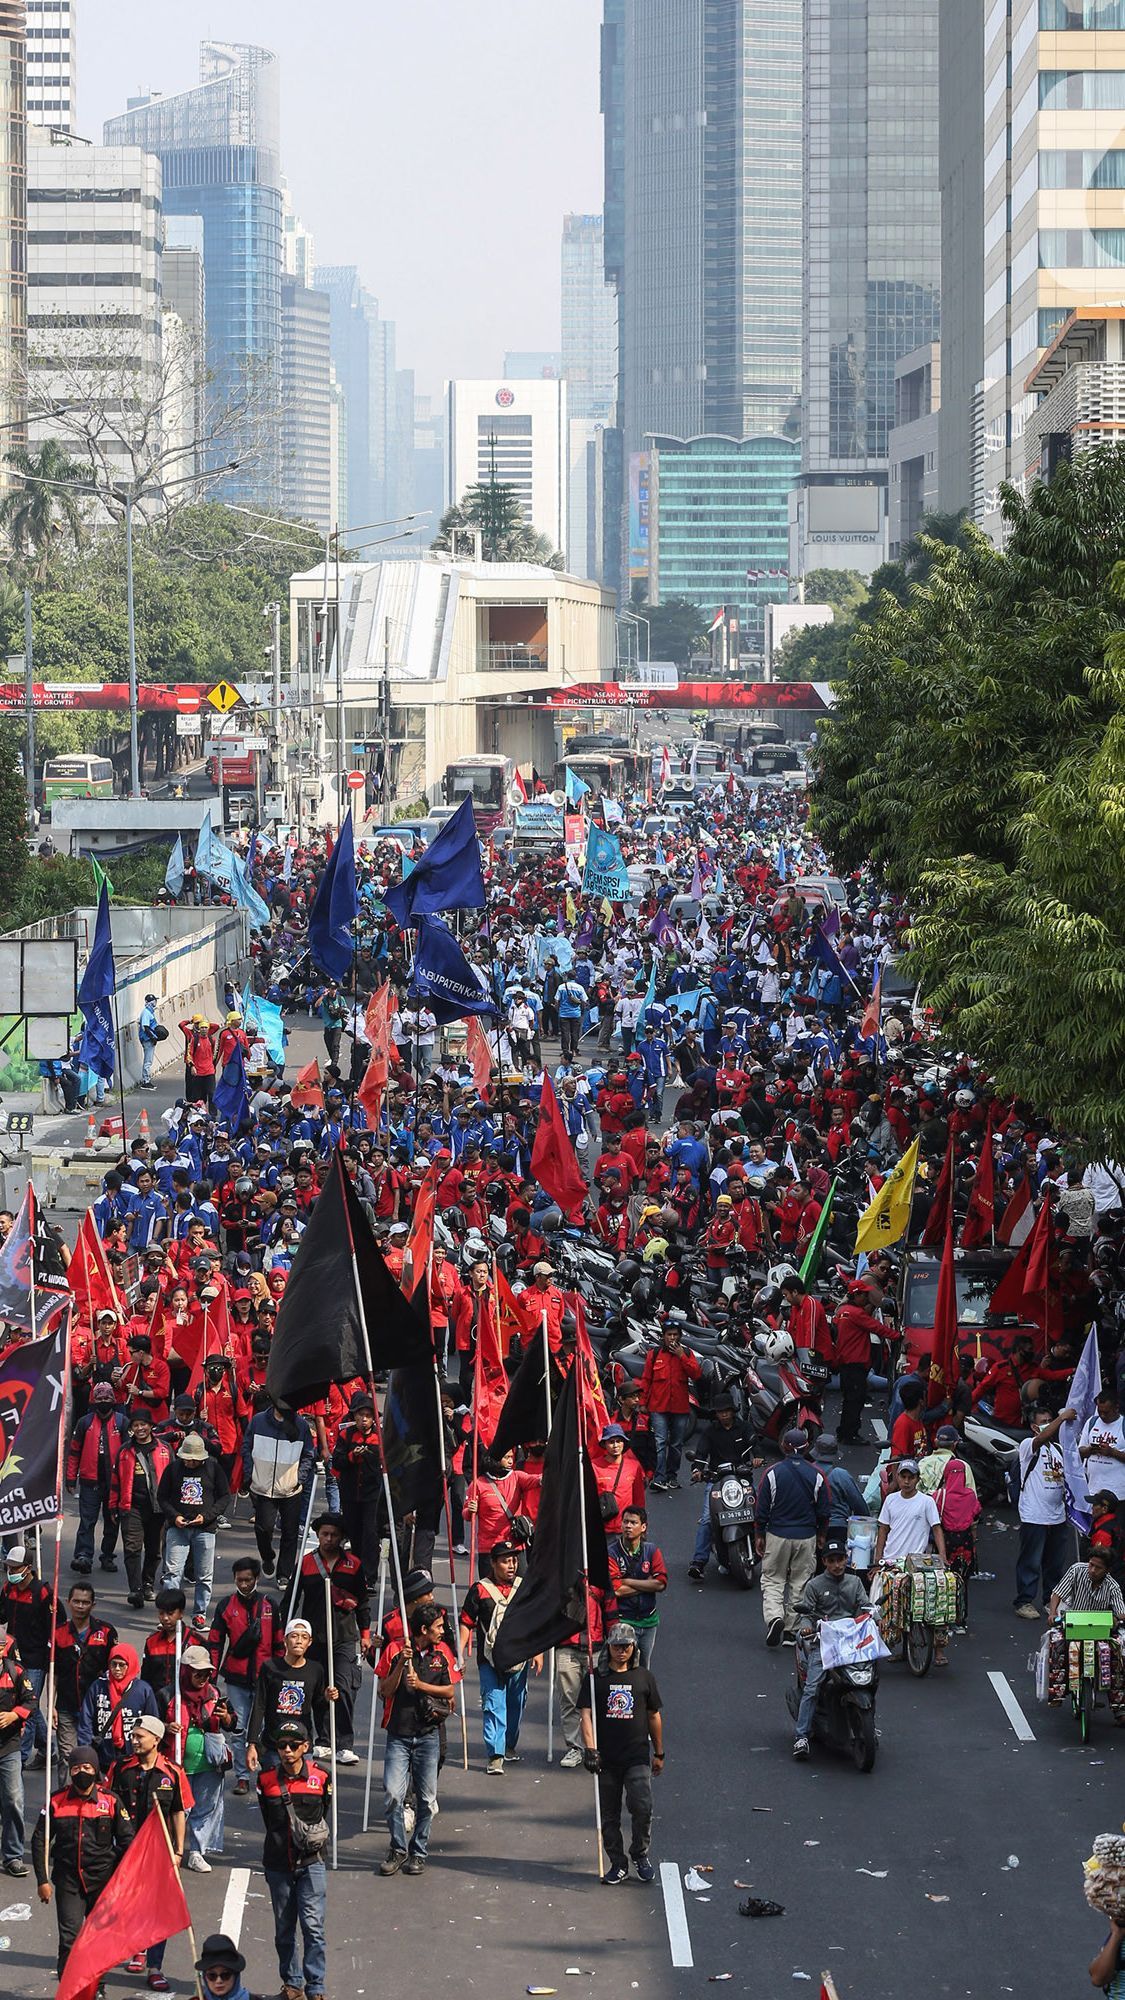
(717, 1073)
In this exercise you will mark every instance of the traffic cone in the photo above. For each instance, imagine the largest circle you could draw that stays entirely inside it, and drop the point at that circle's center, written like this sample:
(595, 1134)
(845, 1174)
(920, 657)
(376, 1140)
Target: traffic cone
(91, 1131)
(144, 1132)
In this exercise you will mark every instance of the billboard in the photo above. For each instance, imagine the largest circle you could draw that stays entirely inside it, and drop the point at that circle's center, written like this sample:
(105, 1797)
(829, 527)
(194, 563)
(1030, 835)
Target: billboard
(640, 465)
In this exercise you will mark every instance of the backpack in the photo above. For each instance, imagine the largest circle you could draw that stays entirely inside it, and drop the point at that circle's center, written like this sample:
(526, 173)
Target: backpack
(499, 1607)
(957, 1504)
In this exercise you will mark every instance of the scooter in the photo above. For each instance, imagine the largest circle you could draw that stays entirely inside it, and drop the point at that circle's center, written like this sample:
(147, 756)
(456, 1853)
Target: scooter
(992, 1451)
(844, 1717)
(732, 1522)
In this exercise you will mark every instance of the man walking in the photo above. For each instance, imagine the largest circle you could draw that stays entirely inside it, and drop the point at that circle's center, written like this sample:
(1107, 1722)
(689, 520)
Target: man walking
(638, 1575)
(86, 1829)
(667, 1374)
(330, 1582)
(416, 1678)
(245, 1633)
(502, 1696)
(192, 1493)
(794, 1503)
(620, 1708)
(295, 1799)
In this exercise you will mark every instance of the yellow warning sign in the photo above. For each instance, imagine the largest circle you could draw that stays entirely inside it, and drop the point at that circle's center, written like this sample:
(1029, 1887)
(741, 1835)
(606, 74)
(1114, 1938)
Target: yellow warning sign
(224, 697)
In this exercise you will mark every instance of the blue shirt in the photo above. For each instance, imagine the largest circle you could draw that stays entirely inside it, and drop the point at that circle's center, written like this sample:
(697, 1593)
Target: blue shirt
(691, 1153)
(148, 1214)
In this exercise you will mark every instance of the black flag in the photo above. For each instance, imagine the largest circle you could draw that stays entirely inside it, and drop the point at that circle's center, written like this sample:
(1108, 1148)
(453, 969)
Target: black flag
(319, 1338)
(549, 1605)
(411, 1448)
(523, 1419)
(32, 1378)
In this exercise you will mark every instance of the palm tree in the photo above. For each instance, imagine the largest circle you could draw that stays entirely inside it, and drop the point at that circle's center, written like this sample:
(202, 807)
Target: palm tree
(39, 510)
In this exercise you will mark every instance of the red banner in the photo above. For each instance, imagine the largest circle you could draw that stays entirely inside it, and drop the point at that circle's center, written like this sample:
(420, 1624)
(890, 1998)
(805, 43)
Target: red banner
(695, 694)
(179, 698)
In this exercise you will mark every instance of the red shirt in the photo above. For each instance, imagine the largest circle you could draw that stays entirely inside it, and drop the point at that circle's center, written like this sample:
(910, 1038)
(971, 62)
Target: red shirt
(664, 1383)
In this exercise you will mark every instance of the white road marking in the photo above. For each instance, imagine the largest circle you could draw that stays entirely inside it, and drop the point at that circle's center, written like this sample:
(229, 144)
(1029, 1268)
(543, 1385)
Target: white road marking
(880, 1429)
(234, 1903)
(1003, 1692)
(675, 1915)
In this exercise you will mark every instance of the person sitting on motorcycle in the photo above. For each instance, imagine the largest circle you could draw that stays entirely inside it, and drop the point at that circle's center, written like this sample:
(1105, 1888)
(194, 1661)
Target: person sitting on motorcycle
(728, 1442)
(836, 1593)
(808, 1321)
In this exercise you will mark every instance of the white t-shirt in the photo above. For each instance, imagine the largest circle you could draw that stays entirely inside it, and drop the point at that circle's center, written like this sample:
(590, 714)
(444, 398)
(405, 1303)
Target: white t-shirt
(1105, 1475)
(1042, 1487)
(908, 1523)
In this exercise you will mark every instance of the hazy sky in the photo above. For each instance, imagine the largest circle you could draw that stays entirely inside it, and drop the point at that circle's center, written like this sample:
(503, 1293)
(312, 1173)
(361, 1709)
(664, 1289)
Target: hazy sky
(435, 144)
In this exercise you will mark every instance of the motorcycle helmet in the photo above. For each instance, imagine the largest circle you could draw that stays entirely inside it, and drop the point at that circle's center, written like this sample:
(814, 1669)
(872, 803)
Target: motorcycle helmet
(244, 1187)
(769, 1299)
(775, 1347)
(677, 1317)
(628, 1271)
(780, 1274)
(964, 1100)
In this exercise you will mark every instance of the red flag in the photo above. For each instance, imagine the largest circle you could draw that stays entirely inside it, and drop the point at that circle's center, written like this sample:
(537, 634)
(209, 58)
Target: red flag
(872, 1013)
(142, 1904)
(1025, 1288)
(941, 1209)
(214, 1339)
(88, 1273)
(553, 1161)
(1018, 1219)
(1040, 1249)
(480, 1056)
(370, 1092)
(511, 1318)
(520, 786)
(591, 1400)
(943, 1369)
(981, 1217)
(1007, 1299)
(306, 1094)
(490, 1377)
(420, 1242)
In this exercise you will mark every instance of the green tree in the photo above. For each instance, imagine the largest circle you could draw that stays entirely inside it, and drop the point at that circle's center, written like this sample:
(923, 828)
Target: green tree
(977, 755)
(506, 536)
(844, 589)
(676, 627)
(39, 512)
(14, 855)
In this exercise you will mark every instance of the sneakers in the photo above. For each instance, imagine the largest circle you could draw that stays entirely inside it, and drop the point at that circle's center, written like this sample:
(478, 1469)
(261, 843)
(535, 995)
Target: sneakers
(157, 1983)
(774, 1631)
(81, 1568)
(135, 1600)
(618, 1873)
(514, 1756)
(656, 1486)
(242, 1788)
(570, 1760)
(222, 1522)
(393, 1860)
(322, 1750)
(198, 1863)
(697, 1572)
(1026, 1611)
(495, 1767)
(137, 1963)
(16, 1868)
(108, 1563)
(790, 1639)
(346, 1757)
(645, 1869)
(268, 1565)
(673, 1486)
(414, 1865)
(800, 1748)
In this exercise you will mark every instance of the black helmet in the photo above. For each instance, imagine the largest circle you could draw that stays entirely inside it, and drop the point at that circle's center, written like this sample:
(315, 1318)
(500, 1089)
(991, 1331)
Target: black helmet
(244, 1187)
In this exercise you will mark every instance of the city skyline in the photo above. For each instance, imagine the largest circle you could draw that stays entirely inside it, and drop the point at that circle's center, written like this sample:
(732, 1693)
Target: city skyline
(545, 160)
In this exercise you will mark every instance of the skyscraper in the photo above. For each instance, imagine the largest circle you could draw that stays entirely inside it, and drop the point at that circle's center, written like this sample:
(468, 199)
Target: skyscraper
(363, 355)
(961, 160)
(219, 147)
(306, 405)
(13, 236)
(50, 64)
(589, 321)
(872, 256)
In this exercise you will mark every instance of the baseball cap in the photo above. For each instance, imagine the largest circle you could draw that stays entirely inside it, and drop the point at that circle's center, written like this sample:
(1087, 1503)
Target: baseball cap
(908, 1465)
(197, 1657)
(543, 1270)
(292, 1732)
(298, 1625)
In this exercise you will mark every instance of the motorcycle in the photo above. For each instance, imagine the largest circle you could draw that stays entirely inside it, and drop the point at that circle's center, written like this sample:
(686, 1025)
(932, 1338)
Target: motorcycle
(992, 1452)
(844, 1717)
(732, 1521)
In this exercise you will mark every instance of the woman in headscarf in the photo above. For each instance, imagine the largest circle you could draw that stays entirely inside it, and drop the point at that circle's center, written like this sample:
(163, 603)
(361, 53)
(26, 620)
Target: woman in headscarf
(113, 1704)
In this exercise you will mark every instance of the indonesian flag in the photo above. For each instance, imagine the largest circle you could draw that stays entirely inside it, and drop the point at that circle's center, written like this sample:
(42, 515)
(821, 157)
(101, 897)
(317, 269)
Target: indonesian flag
(717, 620)
(1018, 1219)
(480, 1056)
(88, 1273)
(665, 765)
(521, 787)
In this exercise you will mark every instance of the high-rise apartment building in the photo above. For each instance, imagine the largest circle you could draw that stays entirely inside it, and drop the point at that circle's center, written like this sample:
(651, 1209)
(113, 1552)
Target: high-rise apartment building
(13, 235)
(51, 64)
(872, 259)
(184, 335)
(589, 321)
(518, 430)
(1054, 245)
(961, 166)
(220, 151)
(363, 355)
(717, 525)
(306, 405)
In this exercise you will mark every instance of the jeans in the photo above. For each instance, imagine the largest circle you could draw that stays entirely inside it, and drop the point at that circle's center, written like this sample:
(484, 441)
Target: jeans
(631, 1785)
(702, 1550)
(205, 1820)
(66, 1736)
(146, 1066)
(502, 1698)
(669, 1432)
(199, 1543)
(291, 1514)
(92, 1502)
(786, 1568)
(35, 1728)
(241, 1700)
(345, 1666)
(1042, 1554)
(645, 1636)
(11, 1806)
(814, 1675)
(411, 1762)
(299, 1899)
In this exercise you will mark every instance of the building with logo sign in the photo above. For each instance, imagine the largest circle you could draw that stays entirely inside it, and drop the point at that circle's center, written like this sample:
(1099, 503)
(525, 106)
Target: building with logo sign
(521, 429)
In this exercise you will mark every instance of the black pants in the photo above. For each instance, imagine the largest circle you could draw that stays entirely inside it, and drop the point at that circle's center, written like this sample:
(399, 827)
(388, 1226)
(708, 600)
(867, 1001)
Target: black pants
(345, 1666)
(141, 1531)
(631, 1785)
(853, 1389)
(332, 1043)
(72, 1907)
(569, 1031)
(267, 1514)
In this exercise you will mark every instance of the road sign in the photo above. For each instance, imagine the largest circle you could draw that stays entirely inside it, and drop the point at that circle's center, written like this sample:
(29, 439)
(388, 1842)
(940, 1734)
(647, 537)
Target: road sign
(224, 697)
(356, 780)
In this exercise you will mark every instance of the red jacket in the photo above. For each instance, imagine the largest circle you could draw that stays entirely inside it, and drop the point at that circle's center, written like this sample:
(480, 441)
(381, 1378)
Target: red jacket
(123, 1477)
(664, 1383)
(86, 1458)
(855, 1330)
(808, 1325)
(229, 1641)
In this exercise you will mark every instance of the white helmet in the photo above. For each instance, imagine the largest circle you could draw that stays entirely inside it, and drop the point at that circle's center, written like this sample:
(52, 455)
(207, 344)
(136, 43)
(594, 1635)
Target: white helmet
(775, 1347)
(780, 1274)
(964, 1100)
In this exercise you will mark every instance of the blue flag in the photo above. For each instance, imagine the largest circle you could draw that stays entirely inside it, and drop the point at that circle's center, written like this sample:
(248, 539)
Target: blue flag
(825, 953)
(444, 975)
(335, 908)
(448, 876)
(650, 996)
(263, 1022)
(606, 873)
(212, 857)
(1082, 1398)
(174, 873)
(99, 983)
(231, 1099)
(576, 787)
(244, 892)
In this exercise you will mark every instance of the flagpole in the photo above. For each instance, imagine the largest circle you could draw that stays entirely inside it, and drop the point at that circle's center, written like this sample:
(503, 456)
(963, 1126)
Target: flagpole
(331, 1705)
(589, 1621)
(304, 1539)
(190, 1927)
(384, 1557)
(64, 1425)
(551, 1656)
(449, 1530)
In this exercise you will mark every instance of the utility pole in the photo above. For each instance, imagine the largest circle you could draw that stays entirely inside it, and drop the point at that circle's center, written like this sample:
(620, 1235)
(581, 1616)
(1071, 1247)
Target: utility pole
(134, 754)
(29, 700)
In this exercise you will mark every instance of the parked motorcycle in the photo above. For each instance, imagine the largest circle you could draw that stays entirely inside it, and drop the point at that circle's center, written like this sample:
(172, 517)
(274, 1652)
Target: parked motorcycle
(844, 1717)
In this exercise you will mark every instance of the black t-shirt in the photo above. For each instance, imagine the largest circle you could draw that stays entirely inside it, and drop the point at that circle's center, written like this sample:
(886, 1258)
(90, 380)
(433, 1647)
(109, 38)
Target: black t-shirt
(285, 1694)
(622, 1705)
(413, 1714)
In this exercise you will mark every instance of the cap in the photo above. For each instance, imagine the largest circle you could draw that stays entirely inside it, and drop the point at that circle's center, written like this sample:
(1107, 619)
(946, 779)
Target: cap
(298, 1625)
(416, 1583)
(826, 1450)
(947, 1434)
(192, 1447)
(722, 1201)
(543, 1270)
(621, 1635)
(152, 1724)
(611, 1433)
(196, 1657)
(835, 1544)
(16, 1557)
(105, 1313)
(505, 1549)
(908, 1465)
(795, 1440)
(220, 1950)
(292, 1732)
(1047, 1146)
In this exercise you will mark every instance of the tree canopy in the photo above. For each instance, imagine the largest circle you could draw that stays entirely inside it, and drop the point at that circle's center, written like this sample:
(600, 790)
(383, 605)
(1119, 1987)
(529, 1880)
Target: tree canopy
(506, 535)
(977, 756)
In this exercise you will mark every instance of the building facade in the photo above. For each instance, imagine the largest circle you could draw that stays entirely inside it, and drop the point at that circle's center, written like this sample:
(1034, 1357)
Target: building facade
(51, 57)
(914, 445)
(1054, 180)
(520, 430)
(717, 525)
(13, 224)
(589, 321)
(363, 355)
(306, 405)
(872, 255)
(95, 238)
(961, 170)
(219, 148)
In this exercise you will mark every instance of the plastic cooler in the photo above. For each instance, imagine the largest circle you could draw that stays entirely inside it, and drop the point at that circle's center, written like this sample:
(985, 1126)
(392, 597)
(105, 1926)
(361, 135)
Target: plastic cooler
(1085, 1625)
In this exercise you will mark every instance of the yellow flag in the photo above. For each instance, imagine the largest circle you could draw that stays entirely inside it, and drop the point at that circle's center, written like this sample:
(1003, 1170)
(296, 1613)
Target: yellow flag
(607, 910)
(571, 908)
(888, 1217)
